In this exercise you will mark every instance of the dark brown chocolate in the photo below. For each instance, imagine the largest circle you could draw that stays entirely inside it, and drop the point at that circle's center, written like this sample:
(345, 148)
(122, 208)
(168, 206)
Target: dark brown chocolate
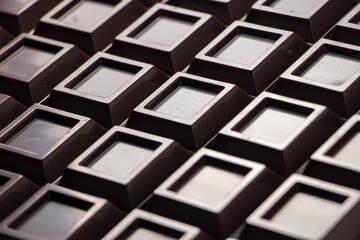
(277, 131)
(310, 19)
(106, 88)
(124, 166)
(226, 11)
(329, 74)
(90, 25)
(188, 109)
(140, 225)
(306, 208)
(30, 66)
(42, 141)
(14, 190)
(4, 37)
(348, 29)
(248, 55)
(18, 16)
(214, 192)
(9, 110)
(149, 3)
(167, 37)
(58, 213)
(337, 160)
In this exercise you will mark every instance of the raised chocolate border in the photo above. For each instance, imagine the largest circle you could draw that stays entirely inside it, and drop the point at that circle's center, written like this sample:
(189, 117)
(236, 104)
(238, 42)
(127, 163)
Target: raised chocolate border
(219, 220)
(284, 157)
(194, 135)
(36, 166)
(264, 228)
(343, 99)
(326, 167)
(125, 192)
(190, 232)
(347, 30)
(112, 110)
(310, 26)
(94, 38)
(33, 88)
(246, 76)
(90, 226)
(169, 58)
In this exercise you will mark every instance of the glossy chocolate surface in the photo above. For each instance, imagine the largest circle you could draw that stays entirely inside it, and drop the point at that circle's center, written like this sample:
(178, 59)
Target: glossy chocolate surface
(305, 18)
(90, 25)
(73, 215)
(92, 101)
(30, 66)
(19, 16)
(9, 110)
(207, 190)
(306, 208)
(167, 37)
(269, 130)
(42, 141)
(4, 37)
(14, 190)
(337, 160)
(188, 109)
(328, 73)
(248, 55)
(226, 11)
(139, 225)
(348, 28)
(124, 166)
(106, 88)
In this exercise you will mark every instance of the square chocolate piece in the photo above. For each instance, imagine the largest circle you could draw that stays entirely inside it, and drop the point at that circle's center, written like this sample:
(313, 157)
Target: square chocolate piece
(14, 190)
(348, 29)
(9, 110)
(106, 88)
(166, 36)
(329, 74)
(30, 66)
(124, 166)
(277, 131)
(226, 11)
(306, 208)
(188, 109)
(18, 16)
(91, 25)
(42, 141)
(209, 188)
(305, 17)
(248, 55)
(338, 159)
(140, 225)
(58, 213)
